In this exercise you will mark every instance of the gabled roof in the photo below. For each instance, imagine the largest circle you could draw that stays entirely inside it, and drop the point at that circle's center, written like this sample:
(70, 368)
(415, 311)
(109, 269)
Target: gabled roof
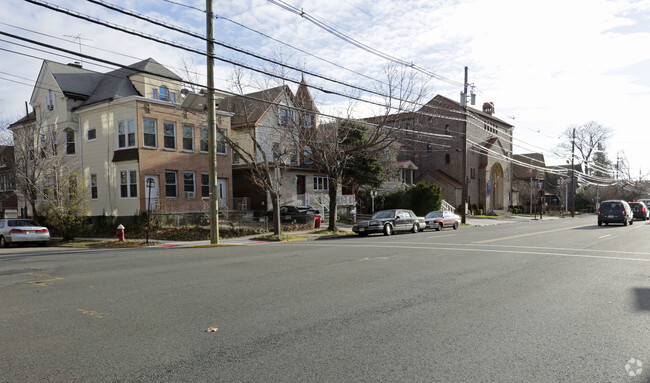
(118, 84)
(406, 165)
(29, 118)
(74, 81)
(92, 87)
(251, 108)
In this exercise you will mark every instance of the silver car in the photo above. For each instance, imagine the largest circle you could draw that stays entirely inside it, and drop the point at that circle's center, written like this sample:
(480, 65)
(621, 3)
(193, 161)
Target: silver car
(22, 230)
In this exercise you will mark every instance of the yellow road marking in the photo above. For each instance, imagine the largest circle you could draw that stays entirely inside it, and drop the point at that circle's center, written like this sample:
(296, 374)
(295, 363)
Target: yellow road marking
(527, 235)
(91, 313)
(42, 281)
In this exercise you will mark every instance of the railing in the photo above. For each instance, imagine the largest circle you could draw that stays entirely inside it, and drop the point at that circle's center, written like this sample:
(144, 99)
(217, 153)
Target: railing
(447, 206)
(169, 205)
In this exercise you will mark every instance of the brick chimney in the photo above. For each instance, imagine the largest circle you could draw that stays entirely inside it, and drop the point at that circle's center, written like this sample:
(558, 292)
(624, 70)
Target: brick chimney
(488, 107)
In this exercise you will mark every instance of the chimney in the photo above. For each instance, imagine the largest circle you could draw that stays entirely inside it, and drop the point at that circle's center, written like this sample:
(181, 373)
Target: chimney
(488, 107)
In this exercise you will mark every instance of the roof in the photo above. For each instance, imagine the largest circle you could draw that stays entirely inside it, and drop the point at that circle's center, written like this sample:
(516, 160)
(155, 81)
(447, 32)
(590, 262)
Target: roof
(251, 108)
(406, 165)
(74, 81)
(29, 118)
(93, 87)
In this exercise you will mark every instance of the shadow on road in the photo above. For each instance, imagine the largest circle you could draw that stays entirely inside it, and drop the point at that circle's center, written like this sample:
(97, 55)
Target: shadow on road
(642, 298)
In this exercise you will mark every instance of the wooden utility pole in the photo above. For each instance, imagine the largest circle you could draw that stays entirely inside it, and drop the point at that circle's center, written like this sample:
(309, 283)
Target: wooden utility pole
(212, 128)
(573, 188)
(463, 210)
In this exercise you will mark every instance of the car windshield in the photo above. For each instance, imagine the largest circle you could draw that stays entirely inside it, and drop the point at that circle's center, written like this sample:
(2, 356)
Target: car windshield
(384, 214)
(434, 214)
(22, 222)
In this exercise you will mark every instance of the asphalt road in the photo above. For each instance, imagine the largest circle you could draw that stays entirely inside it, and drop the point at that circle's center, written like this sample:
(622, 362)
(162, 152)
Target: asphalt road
(543, 301)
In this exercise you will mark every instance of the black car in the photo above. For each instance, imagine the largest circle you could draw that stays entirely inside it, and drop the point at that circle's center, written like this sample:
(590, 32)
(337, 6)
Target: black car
(296, 214)
(615, 211)
(389, 221)
(639, 211)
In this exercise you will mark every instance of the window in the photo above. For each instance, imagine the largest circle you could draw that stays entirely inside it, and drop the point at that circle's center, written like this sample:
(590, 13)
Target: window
(170, 135)
(221, 141)
(128, 184)
(164, 93)
(154, 94)
(92, 134)
(126, 134)
(447, 129)
(93, 186)
(429, 147)
(149, 131)
(70, 144)
(50, 100)
(205, 185)
(285, 116)
(188, 137)
(321, 183)
(170, 185)
(447, 158)
(188, 184)
(203, 131)
(306, 155)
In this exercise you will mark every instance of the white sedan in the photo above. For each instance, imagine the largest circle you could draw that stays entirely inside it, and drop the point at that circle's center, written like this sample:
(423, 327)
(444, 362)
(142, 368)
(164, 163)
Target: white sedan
(22, 230)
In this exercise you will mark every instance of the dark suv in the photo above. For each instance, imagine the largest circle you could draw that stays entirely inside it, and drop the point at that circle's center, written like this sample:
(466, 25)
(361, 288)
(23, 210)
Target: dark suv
(639, 210)
(615, 211)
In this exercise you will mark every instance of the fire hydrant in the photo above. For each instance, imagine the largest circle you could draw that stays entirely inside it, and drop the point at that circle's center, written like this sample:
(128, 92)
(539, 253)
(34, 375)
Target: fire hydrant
(120, 233)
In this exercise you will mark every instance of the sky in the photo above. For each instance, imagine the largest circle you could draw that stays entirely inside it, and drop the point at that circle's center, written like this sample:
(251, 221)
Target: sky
(546, 66)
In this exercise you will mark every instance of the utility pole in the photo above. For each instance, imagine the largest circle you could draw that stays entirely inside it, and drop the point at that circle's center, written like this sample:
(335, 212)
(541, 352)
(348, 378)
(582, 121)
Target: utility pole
(573, 189)
(212, 128)
(463, 210)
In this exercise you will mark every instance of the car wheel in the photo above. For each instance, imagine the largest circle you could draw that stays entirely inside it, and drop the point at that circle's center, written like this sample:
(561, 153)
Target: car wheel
(439, 227)
(415, 228)
(625, 222)
(632, 221)
(600, 223)
(3, 242)
(455, 225)
(363, 234)
(388, 229)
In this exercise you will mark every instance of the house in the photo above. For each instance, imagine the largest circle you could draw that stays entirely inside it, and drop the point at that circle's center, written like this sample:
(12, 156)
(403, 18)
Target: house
(125, 133)
(8, 197)
(266, 128)
(434, 135)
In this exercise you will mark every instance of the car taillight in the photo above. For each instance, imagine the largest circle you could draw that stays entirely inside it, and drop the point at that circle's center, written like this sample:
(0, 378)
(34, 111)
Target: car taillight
(598, 212)
(623, 212)
(18, 231)
(43, 231)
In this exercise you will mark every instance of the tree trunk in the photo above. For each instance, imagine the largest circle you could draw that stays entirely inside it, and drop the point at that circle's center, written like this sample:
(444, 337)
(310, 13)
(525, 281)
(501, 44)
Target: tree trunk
(275, 218)
(332, 194)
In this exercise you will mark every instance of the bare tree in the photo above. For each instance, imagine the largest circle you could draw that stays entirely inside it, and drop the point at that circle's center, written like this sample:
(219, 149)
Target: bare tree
(590, 138)
(40, 161)
(335, 143)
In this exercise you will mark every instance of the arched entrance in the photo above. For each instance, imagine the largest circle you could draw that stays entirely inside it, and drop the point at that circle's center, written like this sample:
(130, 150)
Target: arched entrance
(496, 181)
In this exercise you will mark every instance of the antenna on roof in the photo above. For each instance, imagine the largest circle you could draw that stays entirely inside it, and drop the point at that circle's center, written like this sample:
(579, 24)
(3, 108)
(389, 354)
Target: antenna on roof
(78, 39)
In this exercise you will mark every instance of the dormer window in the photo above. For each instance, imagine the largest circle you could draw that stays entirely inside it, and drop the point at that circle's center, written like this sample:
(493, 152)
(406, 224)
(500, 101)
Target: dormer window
(164, 93)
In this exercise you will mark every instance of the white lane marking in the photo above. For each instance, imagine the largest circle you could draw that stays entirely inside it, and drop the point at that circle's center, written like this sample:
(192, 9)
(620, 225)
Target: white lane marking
(441, 236)
(604, 236)
(486, 251)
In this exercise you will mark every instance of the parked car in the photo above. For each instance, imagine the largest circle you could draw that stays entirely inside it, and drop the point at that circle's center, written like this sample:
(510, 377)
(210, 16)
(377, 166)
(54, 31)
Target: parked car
(639, 211)
(21, 230)
(440, 219)
(295, 214)
(389, 221)
(615, 211)
(646, 202)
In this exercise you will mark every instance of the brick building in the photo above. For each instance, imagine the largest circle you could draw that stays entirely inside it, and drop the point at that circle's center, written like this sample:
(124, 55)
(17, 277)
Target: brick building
(432, 139)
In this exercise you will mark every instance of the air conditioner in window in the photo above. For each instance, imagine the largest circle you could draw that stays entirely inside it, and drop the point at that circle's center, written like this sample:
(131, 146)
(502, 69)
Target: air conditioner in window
(50, 107)
(189, 194)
